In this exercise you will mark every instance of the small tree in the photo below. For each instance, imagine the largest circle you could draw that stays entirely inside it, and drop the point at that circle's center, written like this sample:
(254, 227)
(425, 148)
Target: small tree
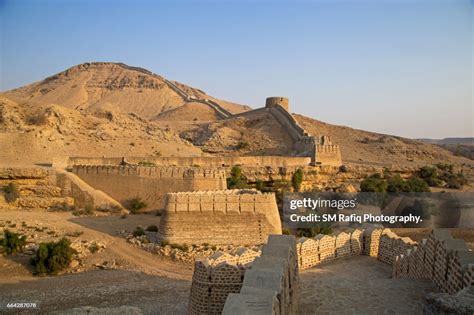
(374, 183)
(135, 205)
(416, 184)
(52, 257)
(236, 179)
(12, 242)
(297, 179)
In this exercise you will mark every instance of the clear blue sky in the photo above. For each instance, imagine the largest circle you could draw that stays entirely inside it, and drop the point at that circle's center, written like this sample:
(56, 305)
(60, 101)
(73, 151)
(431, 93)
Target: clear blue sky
(399, 67)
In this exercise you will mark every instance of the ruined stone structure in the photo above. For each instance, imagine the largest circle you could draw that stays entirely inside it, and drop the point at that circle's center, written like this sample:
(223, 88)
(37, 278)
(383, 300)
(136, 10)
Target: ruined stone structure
(238, 217)
(149, 183)
(446, 261)
(277, 100)
(320, 149)
(271, 284)
(217, 276)
(51, 189)
(267, 284)
(195, 161)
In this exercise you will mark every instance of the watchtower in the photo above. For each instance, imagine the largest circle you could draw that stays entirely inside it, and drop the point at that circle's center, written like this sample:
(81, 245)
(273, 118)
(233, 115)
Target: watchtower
(277, 100)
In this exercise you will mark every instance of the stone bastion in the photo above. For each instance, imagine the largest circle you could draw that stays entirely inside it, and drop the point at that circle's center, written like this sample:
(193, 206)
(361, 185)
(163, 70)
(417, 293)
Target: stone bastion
(237, 217)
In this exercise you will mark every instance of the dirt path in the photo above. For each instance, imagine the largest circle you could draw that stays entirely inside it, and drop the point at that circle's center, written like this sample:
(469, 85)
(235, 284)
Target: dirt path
(154, 284)
(360, 285)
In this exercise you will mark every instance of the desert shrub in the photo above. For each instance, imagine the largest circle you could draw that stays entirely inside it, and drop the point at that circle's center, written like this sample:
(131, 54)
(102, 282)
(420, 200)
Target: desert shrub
(12, 242)
(88, 210)
(374, 183)
(416, 184)
(152, 228)
(285, 232)
(236, 179)
(429, 175)
(313, 231)
(11, 192)
(135, 205)
(260, 185)
(37, 119)
(139, 231)
(297, 179)
(397, 184)
(456, 181)
(242, 145)
(94, 248)
(420, 207)
(52, 257)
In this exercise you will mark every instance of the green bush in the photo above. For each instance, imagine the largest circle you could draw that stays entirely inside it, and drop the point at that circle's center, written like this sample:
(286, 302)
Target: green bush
(11, 192)
(416, 184)
(397, 184)
(152, 228)
(135, 205)
(12, 242)
(139, 231)
(242, 145)
(313, 231)
(52, 257)
(374, 183)
(297, 179)
(429, 175)
(236, 179)
(420, 207)
(260, 185)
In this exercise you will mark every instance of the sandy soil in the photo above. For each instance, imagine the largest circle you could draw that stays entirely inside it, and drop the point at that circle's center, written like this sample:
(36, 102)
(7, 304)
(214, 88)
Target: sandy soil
(360, 285)
(150, 282)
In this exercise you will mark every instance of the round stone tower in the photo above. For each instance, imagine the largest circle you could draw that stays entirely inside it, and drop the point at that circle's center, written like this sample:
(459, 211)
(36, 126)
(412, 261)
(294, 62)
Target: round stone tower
(277, 100)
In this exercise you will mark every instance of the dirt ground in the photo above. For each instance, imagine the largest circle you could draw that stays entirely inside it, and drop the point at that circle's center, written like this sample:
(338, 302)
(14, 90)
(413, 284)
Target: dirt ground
(154, 284)
(360, 285)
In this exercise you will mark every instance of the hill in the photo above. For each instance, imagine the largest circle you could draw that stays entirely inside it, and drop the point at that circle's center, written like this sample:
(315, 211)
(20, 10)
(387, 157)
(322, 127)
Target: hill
(113, 86)
(112, 109)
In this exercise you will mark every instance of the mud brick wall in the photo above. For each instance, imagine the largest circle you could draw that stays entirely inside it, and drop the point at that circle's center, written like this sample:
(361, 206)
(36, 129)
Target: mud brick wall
(204, 161)
(446, 261)
(149, 183)
(238, 217)
(325, 248)
(271, 285)
(217, 276)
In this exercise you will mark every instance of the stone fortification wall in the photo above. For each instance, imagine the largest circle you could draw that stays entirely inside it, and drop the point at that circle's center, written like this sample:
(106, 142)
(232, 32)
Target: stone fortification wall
(217, 276)
(271, 284)
(149, 183)
(209, 161)
(446, 261)
(238, 217)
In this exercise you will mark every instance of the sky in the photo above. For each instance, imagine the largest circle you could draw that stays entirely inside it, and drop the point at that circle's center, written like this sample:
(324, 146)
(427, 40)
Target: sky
(391, 66)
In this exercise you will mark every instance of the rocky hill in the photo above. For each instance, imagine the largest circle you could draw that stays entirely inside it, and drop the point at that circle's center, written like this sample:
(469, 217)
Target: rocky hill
(110, 109)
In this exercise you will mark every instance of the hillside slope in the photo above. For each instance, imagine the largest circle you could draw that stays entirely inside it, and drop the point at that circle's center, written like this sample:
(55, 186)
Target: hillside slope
(106, 85)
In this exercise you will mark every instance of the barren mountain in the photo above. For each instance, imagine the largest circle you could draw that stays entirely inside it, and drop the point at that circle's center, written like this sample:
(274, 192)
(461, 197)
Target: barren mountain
(105, 85)
(111, 109)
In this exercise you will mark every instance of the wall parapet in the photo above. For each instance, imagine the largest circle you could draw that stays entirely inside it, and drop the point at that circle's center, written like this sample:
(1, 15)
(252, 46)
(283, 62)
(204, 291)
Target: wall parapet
(447, 262)
(150, 171)
(240, 217)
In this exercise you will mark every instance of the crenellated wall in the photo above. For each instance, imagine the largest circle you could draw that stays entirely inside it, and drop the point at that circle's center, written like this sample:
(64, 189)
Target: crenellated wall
(446, 261)
(149, 183)
(208, 161)
(215, 277)
(271, 284)
(238, 217)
